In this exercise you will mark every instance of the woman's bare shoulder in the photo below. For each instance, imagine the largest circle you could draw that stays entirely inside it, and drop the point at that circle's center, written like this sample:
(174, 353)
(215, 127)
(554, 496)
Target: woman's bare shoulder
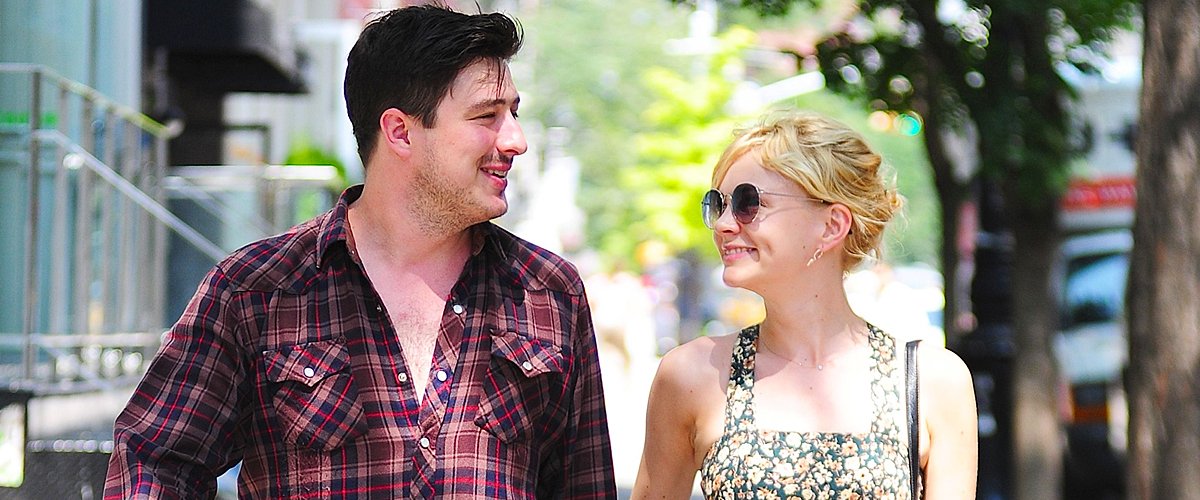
(942, 364)
(945, 379)
(935, 361)
(698, 362)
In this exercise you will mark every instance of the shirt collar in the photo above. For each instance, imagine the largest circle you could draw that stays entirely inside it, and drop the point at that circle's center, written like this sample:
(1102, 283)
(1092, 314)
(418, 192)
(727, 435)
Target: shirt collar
(334, 230)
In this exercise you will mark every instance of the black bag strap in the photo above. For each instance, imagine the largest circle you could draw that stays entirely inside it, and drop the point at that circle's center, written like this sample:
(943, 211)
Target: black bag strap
(910, 386)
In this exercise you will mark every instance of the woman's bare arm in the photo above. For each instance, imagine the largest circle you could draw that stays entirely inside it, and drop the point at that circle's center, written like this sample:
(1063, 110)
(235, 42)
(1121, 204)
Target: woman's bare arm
(948, 407)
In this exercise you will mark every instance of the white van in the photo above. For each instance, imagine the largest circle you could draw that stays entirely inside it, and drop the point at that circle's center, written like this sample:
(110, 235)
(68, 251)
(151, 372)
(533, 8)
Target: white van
(1091, 349)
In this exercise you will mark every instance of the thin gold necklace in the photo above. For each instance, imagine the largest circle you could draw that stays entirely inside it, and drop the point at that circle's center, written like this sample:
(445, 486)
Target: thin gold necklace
(819, 366)
(763, 343)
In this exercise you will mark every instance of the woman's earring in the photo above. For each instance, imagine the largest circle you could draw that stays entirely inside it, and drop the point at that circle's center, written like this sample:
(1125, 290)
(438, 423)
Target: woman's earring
(816, 256)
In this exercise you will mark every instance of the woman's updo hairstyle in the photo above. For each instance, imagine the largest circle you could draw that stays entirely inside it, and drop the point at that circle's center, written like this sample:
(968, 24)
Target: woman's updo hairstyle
(829, 161)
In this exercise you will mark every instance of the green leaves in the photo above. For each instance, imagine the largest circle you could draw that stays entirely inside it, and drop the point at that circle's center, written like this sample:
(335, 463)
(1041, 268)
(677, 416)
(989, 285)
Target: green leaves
(687, 126)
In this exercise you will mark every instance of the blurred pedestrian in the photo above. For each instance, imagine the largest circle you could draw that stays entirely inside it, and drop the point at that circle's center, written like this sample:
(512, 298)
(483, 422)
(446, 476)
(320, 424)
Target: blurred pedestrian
(810, 402)
(621, 311)
(399, 345)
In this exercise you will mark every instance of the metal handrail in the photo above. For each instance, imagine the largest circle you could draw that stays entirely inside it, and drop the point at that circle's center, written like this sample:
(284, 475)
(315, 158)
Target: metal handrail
(107, 237)
(212, 205)
(136, 195)
(207, 185)
(134, 117)
(131, 242)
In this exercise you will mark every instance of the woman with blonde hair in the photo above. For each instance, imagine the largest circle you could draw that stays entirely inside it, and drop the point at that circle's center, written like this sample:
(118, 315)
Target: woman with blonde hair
(811, 402)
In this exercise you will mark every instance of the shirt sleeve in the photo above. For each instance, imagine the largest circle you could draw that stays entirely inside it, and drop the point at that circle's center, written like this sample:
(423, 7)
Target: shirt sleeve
(173, 437)
(588, 466)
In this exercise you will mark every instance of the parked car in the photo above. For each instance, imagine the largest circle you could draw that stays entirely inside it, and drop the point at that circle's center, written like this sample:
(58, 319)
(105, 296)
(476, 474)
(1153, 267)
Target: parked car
(1091, 350)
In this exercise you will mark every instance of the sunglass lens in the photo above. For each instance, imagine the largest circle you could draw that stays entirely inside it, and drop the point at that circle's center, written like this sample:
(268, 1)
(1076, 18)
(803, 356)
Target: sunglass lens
(745, 203)
(711, 207)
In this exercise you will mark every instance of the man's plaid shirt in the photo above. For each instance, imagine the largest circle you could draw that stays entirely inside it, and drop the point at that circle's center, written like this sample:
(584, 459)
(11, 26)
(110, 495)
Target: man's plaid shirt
(285, 359)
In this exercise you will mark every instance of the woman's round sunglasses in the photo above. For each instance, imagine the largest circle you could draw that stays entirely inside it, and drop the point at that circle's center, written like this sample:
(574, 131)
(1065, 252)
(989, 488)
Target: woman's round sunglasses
(744, 201)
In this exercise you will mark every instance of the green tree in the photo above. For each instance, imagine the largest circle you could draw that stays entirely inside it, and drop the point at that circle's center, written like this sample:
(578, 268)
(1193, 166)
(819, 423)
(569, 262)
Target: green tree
(686, 128)
(986, 72)
(587, 76)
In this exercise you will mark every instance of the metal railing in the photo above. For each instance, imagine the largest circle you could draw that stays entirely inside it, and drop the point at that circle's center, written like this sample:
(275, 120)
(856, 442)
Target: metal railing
(254, 201)
(95, 236)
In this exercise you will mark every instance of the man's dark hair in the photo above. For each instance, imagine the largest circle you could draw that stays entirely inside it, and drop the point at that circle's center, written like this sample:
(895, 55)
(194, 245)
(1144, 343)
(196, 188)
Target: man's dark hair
(407, 59)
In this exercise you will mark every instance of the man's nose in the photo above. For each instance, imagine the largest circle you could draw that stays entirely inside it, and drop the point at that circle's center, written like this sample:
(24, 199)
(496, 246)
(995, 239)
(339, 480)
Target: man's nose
(511, 140)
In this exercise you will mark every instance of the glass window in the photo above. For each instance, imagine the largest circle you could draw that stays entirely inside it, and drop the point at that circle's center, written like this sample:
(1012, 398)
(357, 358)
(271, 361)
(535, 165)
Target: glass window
(1095, 289)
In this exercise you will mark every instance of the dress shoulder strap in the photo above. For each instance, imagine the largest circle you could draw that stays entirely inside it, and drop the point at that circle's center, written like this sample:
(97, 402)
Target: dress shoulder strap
(741, 363)
(739, 391)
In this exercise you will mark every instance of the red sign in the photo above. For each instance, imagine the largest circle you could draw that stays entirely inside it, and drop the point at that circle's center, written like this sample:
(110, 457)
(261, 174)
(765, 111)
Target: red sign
(1095, 194)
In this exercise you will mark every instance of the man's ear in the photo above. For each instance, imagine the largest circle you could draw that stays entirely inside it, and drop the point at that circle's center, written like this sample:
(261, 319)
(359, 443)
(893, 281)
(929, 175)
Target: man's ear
(394, 128)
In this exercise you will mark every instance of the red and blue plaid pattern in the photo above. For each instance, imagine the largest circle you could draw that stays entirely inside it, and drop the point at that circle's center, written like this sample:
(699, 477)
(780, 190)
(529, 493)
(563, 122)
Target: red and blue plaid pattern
(285, 359)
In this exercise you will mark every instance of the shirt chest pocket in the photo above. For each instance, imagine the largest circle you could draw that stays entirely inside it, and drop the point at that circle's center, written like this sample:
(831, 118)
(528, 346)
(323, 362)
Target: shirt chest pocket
(316, 401)
(523, 388)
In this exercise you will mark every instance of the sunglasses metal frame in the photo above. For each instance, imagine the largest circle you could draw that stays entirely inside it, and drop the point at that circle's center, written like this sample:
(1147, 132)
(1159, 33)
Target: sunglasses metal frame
(712, 215)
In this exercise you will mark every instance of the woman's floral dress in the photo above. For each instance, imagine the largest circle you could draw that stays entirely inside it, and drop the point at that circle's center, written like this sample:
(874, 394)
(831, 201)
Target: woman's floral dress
(748, 463)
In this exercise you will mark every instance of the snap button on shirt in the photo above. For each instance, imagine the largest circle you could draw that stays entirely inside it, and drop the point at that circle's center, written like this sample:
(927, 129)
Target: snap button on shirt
(441, 375)
(458, 308)
(309, 372)
(424, 442)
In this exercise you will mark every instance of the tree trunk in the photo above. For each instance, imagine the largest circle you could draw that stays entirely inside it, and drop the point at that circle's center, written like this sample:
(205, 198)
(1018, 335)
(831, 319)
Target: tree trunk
(951, 207)
(1036, 433)
(1164, 289)
(951, 193)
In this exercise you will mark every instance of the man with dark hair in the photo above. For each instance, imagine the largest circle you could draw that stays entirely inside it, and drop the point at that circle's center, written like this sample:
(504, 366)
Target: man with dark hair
(399, 345)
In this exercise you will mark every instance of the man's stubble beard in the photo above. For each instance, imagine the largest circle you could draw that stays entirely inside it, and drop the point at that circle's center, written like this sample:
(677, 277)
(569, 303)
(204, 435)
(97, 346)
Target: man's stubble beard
(440, 208)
